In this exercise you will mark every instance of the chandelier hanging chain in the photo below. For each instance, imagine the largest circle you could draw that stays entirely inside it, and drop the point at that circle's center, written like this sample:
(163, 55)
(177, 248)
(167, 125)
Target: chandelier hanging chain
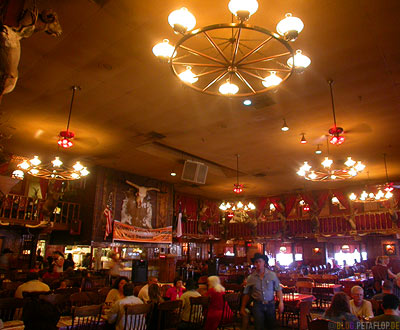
(74, 88)
(330, 82)
(237, 168)
(386, 170)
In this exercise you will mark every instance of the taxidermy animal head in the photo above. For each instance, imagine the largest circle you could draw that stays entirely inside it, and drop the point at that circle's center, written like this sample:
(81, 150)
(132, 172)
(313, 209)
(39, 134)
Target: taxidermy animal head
(10, 49)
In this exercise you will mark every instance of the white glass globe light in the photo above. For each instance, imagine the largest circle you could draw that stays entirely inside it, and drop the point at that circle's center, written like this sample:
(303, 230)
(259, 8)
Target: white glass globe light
(290, 27)
(188, 76)
(228, 89)
(300, 61)
(35, 161)
(57, 162)
(182, 20)
(164, 51)
(272, 80)
(18, 174)
(243, 9)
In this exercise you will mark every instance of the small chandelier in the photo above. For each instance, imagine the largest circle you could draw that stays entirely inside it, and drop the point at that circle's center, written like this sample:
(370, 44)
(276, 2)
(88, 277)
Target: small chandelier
(55, 170)
(253, 59)
(379, 193)
(238, 188)
(336, 131)
(65, 137)
(238, 209)
(327, 173)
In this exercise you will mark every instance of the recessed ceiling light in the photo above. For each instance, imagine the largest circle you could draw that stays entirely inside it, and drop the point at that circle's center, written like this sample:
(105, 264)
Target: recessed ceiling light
(173, 174)
(247, 102)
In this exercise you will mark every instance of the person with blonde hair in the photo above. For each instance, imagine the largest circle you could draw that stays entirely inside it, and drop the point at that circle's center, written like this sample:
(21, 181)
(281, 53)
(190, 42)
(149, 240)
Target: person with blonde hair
(216, 293)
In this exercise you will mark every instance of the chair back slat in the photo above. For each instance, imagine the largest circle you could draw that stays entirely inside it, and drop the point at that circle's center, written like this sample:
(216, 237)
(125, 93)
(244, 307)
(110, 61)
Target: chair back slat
(137, 316)
(79, 299)
(169, 314)
(86, 317)
(198, 311)
(8, 306)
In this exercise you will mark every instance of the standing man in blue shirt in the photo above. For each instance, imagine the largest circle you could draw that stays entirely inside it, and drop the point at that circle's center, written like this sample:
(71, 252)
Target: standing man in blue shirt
(261, 287)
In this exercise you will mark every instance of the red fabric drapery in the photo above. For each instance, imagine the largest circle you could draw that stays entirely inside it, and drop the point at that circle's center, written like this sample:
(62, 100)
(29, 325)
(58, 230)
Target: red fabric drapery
(290, 202)
(276, 201)
(323, 196)
(261, 206)
(44, 185)
(342, 198)
(189, 206)
(308, 199)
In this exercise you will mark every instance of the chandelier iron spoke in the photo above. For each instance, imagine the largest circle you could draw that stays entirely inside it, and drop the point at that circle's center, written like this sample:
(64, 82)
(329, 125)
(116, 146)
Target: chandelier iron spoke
(254, 50)
(245, 81)
(216, 47)
(265, 69)
(208, 72)
(267, 58)
(211, 65)
(236, 47)
(251, 74)
(190, 50)
(222, 75)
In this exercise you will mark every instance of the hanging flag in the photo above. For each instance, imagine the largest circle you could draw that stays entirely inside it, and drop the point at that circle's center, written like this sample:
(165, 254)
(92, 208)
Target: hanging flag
(179, 224)
(108, 213)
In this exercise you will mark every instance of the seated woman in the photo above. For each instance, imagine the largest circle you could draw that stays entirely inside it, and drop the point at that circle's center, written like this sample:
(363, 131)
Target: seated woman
(176, 291)
(339, 310)
(117, 292)
(216, 292)
(155, 299)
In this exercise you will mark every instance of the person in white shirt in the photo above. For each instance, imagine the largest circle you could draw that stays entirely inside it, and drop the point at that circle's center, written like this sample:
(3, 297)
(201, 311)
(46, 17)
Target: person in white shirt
(144, 292)
(190, 292)
(33, 285)
(117, 313)
(358, 306)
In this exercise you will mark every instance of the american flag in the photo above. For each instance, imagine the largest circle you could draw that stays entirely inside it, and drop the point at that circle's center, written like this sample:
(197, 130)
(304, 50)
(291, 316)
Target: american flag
(108, 213)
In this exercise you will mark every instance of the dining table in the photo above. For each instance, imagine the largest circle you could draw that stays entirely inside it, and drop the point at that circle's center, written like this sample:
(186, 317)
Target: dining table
(301, 301)
(351, 281)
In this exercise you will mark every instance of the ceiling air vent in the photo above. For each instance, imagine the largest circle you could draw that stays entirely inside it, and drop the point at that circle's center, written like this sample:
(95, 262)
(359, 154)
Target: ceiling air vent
(194, 172)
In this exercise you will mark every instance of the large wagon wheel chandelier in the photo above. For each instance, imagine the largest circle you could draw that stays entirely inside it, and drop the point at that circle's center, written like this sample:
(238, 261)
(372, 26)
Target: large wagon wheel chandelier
(232, 59)
(350, 169)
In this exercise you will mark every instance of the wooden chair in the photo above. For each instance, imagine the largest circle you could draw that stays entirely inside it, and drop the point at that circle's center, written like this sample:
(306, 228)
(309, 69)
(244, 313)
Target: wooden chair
(60, 301)
(321, 324)
(377, 307)
(8, 306)
(103, 292)
(169, 314)
(231, 311)
(79, 299)
(137, 316)
(86, 317)
(198, 312)
(304, 287)
(67, 291)
(94, 297)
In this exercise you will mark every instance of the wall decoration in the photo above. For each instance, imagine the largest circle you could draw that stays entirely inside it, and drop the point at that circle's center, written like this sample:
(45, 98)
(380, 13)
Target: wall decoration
(389, 249)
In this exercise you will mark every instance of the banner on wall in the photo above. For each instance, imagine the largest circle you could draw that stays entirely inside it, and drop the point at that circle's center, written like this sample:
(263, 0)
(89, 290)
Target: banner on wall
(124, 232)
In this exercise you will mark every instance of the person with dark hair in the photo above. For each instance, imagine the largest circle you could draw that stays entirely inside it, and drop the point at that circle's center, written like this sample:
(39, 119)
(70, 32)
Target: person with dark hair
(154, 294)
(390, 304)
(176, 291)
(261, 286)
(191, 287)
(339, 310)
(117, 313)
(387, 288)
(33, 284)
(86, 283)
(144, 292)
(39, 314)
(69, 263)
(117, 292)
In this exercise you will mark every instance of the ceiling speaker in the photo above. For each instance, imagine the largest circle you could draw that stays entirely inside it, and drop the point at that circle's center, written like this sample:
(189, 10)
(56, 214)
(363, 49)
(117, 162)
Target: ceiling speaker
(194, 172)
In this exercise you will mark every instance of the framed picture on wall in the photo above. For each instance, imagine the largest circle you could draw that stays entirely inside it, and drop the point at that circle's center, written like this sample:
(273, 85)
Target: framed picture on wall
(389, 249)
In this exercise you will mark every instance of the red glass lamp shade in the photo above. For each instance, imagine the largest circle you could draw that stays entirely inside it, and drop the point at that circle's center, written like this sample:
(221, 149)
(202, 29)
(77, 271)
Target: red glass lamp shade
(306, 207)
(65, 139)
(336, 140)
(389, 187)
(230, 215)
(238, 188)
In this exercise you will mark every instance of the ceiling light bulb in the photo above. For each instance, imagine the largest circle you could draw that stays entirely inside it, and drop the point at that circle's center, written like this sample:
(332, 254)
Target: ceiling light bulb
(302, 202)
(228, 205)
(312, 175)
(33, 171)
(305, 167)
(243, 9)
(352, 172)
(388, 195)
(239, 205)
(173, 174)
(353, 196)
(252, 206)
(188, 76)
(223, 207)
(24, 165)
(228, 89)
(379, 195)
(84, 172)
(181, 20)
(35, 161)
(359, 166)
(290, 27)
(164, 51)
(233, 208)
(335, 200)
(364, 195)
(327, 162)
(272, 207)
(75, 175)
(247, 102)
(57, 162)
(301, 172)
(300, 61)
(285, 127)
(303, 140)
(349, 162)
(371, 195)
(333, 177)
(78, 166)
(318, 151)
(18, 174)
(272, 80)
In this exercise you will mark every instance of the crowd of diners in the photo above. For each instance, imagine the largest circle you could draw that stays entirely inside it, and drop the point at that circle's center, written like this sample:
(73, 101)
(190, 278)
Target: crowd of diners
(262, 298)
